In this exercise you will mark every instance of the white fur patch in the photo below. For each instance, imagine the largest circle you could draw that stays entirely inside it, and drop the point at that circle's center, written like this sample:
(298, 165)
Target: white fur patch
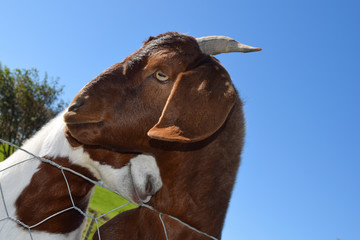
(143, 168)
(50, 141)
(133, 177)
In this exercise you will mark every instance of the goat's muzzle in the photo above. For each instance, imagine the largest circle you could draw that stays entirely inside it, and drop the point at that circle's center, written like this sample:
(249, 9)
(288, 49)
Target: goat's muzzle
(84, 119)
(82, 111)
(145, 177)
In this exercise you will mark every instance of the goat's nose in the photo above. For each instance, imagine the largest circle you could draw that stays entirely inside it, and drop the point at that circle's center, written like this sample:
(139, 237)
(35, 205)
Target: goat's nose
(145, 176)
(74, 107)
(150, 186)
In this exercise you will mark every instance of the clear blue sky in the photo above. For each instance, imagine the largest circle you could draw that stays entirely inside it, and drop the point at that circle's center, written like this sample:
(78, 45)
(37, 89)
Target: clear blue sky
(300, 173)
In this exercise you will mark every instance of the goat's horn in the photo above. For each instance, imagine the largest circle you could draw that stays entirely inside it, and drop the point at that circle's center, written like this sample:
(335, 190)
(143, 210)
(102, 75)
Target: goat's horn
(213, 45)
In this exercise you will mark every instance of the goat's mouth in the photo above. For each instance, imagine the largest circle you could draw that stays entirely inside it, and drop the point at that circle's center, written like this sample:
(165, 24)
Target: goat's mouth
(139, 198)
(149, 184)
(74, 118)
(138, 195)
(136, 199)
(80, 133)
(94, 123)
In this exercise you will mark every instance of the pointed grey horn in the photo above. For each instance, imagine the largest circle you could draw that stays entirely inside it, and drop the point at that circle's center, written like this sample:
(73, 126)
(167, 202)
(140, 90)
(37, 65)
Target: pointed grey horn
(213, 45)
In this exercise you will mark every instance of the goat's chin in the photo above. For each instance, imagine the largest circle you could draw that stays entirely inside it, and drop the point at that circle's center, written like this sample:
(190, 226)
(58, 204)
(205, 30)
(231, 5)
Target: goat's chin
(82, 133)
(139, 200)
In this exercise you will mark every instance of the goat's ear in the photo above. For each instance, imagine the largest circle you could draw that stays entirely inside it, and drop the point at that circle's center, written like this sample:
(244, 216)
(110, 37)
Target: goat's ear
(198, 105)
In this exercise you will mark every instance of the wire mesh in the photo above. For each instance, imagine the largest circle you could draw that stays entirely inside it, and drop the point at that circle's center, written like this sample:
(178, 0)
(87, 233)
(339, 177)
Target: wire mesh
(94, 219)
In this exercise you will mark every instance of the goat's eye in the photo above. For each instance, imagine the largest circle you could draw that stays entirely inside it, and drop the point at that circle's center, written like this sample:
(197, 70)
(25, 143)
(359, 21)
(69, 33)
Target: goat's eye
(162, 77)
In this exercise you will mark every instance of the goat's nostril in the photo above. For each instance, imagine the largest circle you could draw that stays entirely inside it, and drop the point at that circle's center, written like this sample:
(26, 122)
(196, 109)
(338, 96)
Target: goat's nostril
(149, 188)
(76, 105)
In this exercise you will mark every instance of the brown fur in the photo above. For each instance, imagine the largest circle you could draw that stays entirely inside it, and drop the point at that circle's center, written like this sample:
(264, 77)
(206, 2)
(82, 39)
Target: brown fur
(109, 157)
(193, 124)
(47, 192)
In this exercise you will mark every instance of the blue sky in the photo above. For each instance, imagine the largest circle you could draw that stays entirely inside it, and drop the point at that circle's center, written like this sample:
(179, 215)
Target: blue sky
(300, 174)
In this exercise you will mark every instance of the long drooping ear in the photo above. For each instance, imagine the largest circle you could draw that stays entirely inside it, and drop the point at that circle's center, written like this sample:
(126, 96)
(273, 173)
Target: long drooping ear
(198, 105)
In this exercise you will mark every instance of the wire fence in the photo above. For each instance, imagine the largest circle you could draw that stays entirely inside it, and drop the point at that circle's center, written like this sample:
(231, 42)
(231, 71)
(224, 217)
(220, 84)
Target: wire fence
(94, 219)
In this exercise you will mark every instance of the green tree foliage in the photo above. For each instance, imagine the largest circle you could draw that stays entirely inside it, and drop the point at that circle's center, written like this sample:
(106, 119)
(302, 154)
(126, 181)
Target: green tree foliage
(26, 104)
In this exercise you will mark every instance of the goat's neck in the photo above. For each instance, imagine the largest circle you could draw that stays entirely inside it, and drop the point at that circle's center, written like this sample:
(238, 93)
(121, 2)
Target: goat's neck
(198, 187)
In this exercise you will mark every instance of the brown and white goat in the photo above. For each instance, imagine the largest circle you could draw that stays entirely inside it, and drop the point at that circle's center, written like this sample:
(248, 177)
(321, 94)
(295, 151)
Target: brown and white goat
(173, 100)
(33, 192)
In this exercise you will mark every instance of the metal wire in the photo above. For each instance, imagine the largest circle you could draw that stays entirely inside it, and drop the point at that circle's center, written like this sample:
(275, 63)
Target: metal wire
(101, 184)
(162, 221)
